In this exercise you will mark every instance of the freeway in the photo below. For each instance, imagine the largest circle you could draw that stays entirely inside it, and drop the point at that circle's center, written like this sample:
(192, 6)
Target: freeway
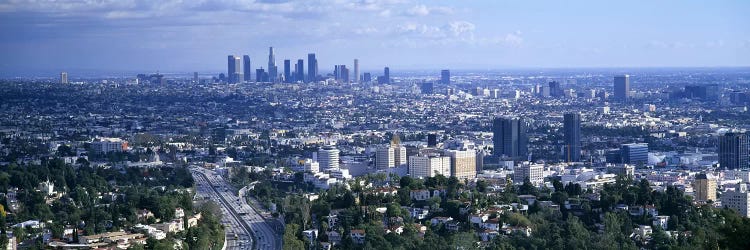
(266, 233)
(237, 235)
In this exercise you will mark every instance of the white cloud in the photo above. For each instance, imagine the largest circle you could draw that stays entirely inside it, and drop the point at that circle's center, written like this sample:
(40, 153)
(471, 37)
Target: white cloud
(424, 10)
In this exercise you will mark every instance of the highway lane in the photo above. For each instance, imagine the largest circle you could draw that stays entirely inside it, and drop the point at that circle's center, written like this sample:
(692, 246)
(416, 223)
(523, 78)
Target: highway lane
(233, 223)
(264, 234)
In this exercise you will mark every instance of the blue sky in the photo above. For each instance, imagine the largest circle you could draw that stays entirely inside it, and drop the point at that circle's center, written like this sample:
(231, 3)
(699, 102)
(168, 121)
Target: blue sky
(196, 35)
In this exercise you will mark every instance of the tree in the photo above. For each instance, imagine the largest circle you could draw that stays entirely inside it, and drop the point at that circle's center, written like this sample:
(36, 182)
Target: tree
(528, 188)
(291, 242)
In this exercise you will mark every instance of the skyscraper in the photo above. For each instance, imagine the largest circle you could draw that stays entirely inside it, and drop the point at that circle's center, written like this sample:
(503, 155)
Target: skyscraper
(572, 129)
(733, 151)
(385, 157)
(445, 76)
(341, 73)
(509, 137)
(312, 68)
(366, 77)
(429, 165)
(634, 153)
(247, 68)
(63, 77)
(356, 71)
(233, 68)
(299, 71)
(555, 90)
(622, 88)
(195, 77)
(704, 187)
(287, 71)
(328, 157)
(463, 163)
(272, 73)
(427, 88)
(387, 74)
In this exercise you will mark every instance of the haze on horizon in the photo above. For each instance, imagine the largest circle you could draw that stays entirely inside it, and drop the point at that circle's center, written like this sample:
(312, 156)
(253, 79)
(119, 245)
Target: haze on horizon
(174, 35)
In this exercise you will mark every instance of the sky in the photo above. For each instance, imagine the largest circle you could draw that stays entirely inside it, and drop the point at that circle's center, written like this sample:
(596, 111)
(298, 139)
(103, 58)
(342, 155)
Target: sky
(44, 36)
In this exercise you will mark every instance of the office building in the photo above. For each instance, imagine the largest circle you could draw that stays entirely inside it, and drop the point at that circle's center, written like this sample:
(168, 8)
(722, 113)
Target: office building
(572, 129)
(272, 70)
(445, 76)
(385, 157)
(261, 75)
(299, 71)
(312, 166)
(555, 90)
(328, 158)
(64, 77)
(737, 200)
(429, 165)
(704, 187)
(431, 140)
(366, 77)
(733, 151)
(312, 68)
(526, 170)
(247, 69)
(509, 137)
(234, 69)
(195, 77)
(355, 78)
(622, 88)
(427, 88)
(463, 164)
(341, 73)
(634, 153)
(287, 71)
(387, 75)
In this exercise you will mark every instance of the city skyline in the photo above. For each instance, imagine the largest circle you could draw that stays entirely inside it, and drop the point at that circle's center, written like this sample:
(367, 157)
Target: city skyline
(187, 37)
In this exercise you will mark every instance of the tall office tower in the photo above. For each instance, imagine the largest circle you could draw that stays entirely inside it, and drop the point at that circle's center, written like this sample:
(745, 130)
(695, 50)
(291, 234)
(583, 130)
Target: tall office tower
(312, 68)
(341, 73)
(287, 71)
(733, 151)
(737, 200)
(233, 68)
(445, 76)
(355, 78)
(534, 172)
(366, 77)
(387, 74)
(272, 73)
(555, 90)
(463, 164)
(572, 129)
(399, 152)
(247, 68)
(300, 71)
(429, 165)
(622, 88)
(705, 187)
(431, 140)
(260, 75)
(427, 88)
(634, 153)
(384, 157)
(509, 137)
(195, 77)
(64, 77)
(328, 157)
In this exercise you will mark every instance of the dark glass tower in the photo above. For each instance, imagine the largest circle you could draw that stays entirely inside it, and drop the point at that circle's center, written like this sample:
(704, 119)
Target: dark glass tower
(287, 70)
(387, 75)
(445, 76)
(247, 68)
(509, 137)
(299, 70)
(572, 129)
(733, 151)
(312, 68)
(622, 88)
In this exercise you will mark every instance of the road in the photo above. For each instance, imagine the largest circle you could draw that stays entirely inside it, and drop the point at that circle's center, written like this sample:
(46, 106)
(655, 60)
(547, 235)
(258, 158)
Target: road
(264, 232)
(231, 221)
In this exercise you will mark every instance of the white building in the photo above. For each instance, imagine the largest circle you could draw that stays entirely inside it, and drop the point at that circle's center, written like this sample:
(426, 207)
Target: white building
(429, 166)
(534, 172)
(385, 157)
(738, 199)
(312, 166)
(463, 164)
(328, 157)
(106, 145)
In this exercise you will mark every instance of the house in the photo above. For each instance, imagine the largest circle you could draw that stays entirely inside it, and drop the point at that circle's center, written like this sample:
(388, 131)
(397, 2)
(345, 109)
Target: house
(508, 230)
(419, 194)
(325, 246)
(478, 219)
(530, 199)
(492, 224)
(333, 221)
(395, 229)
(311, 235)
(488, 235)
(358, 236)
(418, 213)
(179, 213)
(643, 232)
(334, 237)
(661, 221)
(438, 220)
(143, 215)
(452, 226)
(636, 210)
(170, 227)
(193, 220)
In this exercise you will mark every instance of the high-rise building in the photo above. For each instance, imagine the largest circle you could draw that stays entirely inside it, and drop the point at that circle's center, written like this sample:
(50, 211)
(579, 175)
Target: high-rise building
(312, 166)
(737, 200)
(572, 129)
(429, 165)
(312, 68)
(463, 163)
(534, 172)
(328, 157)
(445, 76)
(64, 77)
(387, 75)
(234, 68)
(299, 71)
(509, 137)
(733, 151)
(431, 140)
(427, 88)
(399, 152)
(260, 75)
(704, 187)
(341, 73)
(634, 153)
(555, 90)
(195, 77)
(247, 68)
(384, 157)
(366, 77)
(356, 71)
(272, 69)
(622, 88)
(287, 71)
